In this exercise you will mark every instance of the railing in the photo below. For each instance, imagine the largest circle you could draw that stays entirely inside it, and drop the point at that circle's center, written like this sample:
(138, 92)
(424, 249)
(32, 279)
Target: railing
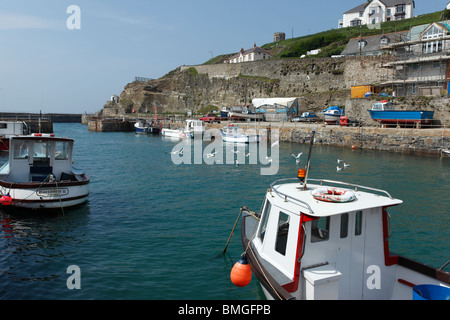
(320, 182)
(24, 117)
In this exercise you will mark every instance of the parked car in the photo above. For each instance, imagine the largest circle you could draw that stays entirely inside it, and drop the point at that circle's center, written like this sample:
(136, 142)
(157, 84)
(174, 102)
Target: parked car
(210, 117)
(306, 117)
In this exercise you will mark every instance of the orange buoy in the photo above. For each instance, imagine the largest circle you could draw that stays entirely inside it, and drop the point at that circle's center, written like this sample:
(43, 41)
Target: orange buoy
(6, 200)
(241, 274)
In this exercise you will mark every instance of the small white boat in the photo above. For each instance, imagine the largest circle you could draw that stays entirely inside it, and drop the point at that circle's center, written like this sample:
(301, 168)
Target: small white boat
(232, 133)
(245, 115)
(39, 174)
(192, 128)
(446, 152)
(332, 114)
(321, 239)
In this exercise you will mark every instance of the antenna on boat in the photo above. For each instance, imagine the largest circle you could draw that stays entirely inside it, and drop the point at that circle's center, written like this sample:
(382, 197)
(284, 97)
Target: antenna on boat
(309, 157)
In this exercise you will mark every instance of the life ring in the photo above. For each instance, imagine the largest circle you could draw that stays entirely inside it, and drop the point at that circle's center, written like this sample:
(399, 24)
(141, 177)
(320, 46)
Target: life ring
(333, 194)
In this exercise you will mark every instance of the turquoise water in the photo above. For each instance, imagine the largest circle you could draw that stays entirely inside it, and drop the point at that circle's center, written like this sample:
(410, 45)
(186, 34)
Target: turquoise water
(155, 230)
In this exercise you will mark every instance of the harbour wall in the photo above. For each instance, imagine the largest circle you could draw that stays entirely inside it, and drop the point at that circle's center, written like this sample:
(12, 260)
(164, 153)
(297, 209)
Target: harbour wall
(402, 140)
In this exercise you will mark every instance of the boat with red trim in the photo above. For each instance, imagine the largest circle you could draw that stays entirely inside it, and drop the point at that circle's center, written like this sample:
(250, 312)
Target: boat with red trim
(39, 174)
(304, 245)
(11, 128)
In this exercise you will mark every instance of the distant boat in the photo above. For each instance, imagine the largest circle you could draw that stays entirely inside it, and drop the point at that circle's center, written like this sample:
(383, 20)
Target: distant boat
(232, 133)
(446, 152)
(9, 129)
(39, 174)
(332, 114)
(306, 117)
(145, 126)
(192, 128)
(245, 115)
(385, 113)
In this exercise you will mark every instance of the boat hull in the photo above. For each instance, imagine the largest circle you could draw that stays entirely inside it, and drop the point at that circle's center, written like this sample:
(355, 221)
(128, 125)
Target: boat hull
(392, 116)
(245, 116)
(331, 118)
(173, 133)
(240, 139)
(47, 195)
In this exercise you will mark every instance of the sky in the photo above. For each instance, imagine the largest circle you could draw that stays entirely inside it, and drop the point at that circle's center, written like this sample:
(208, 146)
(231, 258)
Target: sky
(57, 58)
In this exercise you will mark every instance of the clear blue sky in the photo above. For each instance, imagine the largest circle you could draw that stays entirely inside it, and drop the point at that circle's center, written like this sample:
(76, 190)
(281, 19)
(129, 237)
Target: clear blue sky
(46, 66)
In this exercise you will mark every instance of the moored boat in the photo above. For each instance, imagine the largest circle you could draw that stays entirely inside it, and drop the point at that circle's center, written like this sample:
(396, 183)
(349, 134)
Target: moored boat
(9, 129)
(146, 126)
(39, 174)
(322, 239)
(332, 114)
(192, 128)
(233, 133)
(384, 112)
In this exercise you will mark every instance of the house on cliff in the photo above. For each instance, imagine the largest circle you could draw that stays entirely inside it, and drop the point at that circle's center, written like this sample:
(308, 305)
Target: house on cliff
(422, 61)
(372, 45)
(376, 11)
(252, 54)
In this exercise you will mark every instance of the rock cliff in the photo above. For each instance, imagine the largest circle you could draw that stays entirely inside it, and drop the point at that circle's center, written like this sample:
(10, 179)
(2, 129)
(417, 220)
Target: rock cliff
(317, 82)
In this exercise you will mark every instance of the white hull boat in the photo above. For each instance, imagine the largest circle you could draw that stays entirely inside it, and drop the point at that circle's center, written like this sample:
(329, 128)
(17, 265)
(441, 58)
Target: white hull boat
(320, 239)
(192, 128)
(39, 174)
(232, 133)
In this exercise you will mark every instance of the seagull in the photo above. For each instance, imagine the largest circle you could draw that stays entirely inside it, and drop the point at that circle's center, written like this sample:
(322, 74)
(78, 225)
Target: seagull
(247, 155)
(209, 155)
(346, 165)
(338, 168)
(339, 160)
(275, 143)
(267, 157)
(237, 163)
(177, 151)
(237, 151)
(297, 156)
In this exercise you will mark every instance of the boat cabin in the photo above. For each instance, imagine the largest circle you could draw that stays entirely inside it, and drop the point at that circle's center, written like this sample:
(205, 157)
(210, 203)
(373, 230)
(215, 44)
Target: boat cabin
(195, 126)
(383, 105)
(320, 242)
(33, 158)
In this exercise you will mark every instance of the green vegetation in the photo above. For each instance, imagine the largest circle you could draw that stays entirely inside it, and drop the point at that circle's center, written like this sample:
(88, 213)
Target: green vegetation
(333, 42)
(207, 109)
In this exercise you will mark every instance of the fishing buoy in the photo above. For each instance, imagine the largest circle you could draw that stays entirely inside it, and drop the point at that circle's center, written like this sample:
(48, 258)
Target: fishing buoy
(6, 200)
(241, 274)
(353, 147)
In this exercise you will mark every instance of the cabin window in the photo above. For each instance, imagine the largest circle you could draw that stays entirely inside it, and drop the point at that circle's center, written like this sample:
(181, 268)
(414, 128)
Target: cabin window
(320, 229)
(3, 125)
(62, 151)
(20, 150)
(344, 225)
(282, 233)
(41, 154)
(358, 223)
(265, 219)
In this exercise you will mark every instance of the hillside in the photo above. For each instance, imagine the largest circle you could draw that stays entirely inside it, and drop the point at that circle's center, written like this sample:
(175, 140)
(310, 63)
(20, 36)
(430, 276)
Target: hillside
(333, 42)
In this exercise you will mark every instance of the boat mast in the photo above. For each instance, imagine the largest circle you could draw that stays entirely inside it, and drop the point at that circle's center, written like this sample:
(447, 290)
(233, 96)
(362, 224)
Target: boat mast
(309, 157)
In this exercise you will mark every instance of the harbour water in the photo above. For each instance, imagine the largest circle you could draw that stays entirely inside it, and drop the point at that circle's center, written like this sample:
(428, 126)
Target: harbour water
(152, 229)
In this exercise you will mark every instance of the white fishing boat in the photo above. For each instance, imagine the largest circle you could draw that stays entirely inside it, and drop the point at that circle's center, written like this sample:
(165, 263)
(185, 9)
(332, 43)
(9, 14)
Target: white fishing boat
(192, 128)
(232, 133)
(320, 239)
(446, 152)
(39, 174)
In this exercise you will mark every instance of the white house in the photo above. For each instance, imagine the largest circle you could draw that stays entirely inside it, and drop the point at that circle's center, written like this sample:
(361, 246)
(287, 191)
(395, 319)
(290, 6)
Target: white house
(377, 11)
(252, 54)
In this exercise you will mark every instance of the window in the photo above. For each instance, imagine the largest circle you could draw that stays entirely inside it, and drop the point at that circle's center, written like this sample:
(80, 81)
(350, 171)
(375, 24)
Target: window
(41, 154)
(320, 229)
(388, 12)
(20, 149)
(62, 151)
(358, 223)
(265, 219)
(344, 225)
(282, 233)
(361, 44)
(436, 65)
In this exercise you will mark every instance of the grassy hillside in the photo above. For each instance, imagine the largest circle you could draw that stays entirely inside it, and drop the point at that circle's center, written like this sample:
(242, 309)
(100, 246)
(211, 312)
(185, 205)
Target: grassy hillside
(333, 42)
